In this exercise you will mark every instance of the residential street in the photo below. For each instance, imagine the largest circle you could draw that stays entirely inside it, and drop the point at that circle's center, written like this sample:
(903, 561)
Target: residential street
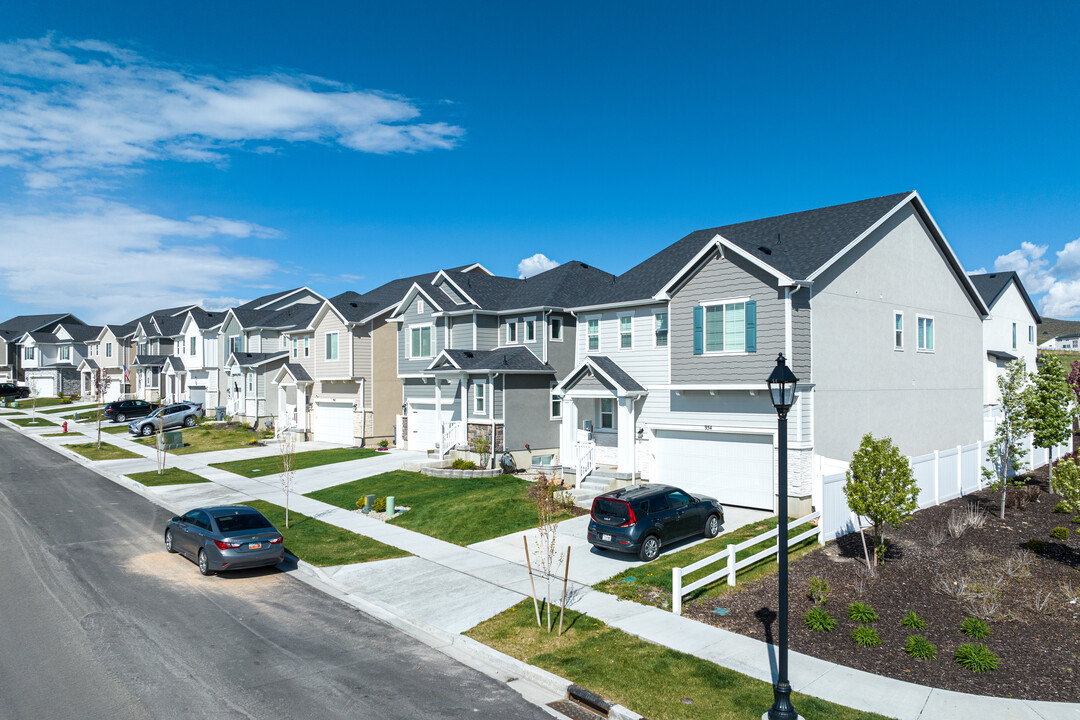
(98, 621)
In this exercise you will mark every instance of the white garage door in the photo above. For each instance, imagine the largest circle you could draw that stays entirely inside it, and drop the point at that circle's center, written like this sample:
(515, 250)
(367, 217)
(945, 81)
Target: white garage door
(333, 423)
(46, 386)
(421, 429)
(734, 469)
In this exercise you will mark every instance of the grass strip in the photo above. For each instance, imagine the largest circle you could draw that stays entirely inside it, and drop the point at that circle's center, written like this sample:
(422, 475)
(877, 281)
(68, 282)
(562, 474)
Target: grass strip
(271, 464)
(32, 422)
(70, 408)
(321, 543)
(63, 434)
(113, 429)
(171, 476)
(208, 438)
(27, 403)
(107, 452)
(652, 680)
(458, 510)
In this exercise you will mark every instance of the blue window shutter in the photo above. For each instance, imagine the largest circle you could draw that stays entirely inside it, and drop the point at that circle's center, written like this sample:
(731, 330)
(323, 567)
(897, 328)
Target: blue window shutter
(751, 326)
(699, 329)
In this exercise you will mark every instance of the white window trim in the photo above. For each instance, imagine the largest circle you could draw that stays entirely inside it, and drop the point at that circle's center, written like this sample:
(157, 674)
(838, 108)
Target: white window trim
(562, 329)
(420, 305)
(652, 330)
(307, 346)
(337, 342)
(618, 328)
(600, 415)
(1015, 335)
(479, 396)
(551, 404)
(705, 333)
(431, 330)
(903, 331)
(599, 333)
(932, 323)
(295, 347)
(513, 323)
(1031, 334)
(525, 330)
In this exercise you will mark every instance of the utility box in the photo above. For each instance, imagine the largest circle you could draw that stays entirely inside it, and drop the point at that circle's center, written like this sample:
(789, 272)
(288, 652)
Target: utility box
(171, 440)
(219, 413)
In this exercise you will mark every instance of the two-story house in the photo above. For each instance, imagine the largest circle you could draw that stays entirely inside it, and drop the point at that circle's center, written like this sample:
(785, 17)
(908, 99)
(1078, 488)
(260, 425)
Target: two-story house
(50, 360)
(154, 343)
(867, 302)
(1009, 333)
(192, 370)
(12, 331)
(111, 354)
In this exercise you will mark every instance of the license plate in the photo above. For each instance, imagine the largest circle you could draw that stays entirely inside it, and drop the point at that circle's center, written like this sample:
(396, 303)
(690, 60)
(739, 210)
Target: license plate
(254, 546)
(606, 538)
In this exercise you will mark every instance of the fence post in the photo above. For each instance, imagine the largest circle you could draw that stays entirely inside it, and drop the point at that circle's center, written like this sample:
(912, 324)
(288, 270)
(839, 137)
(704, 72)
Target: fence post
(676, 590)
(959, 470)
(937, 461)
(821, 529)
(731, 564)
(979, 465)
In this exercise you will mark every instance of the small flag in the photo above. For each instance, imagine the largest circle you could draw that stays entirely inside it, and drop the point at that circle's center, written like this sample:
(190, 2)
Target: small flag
(127, 378)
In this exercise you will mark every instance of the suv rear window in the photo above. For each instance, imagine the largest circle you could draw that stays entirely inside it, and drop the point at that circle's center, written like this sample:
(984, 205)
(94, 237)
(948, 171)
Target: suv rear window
(242, 522)
(611, 512)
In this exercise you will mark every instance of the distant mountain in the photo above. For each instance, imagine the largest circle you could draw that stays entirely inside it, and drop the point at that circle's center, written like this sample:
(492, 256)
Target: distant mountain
(1052, 328)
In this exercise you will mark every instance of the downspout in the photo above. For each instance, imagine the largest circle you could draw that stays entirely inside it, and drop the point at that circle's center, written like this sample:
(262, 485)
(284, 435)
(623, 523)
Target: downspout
(546, 314)
(491, 384)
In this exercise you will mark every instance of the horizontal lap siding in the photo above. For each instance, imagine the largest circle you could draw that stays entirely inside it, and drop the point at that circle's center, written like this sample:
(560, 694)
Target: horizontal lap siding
(528, 413)
(411, 317)
(487, 332)
(307, 362)
(461, 335)
(338, 368)
(646, 364)
(800, 334)
(361, 340)
(562, 354)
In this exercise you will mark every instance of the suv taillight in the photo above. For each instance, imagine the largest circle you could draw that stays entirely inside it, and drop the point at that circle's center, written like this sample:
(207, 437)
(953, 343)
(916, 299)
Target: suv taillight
(632, 519)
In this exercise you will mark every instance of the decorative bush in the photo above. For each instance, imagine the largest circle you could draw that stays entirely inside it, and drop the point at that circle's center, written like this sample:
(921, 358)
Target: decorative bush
(380, 505)
(865, 636)
(1036, 546)
(819, 590)
(1061, 508)
(861, 613)
(462, 464)
(818, 620)
(976, 657)
(920, 648)
(912, 621)
(974, 628)
(384, 444)
(1060, 533)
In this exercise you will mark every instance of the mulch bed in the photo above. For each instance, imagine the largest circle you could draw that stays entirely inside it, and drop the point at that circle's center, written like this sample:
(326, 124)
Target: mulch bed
(1039, 652)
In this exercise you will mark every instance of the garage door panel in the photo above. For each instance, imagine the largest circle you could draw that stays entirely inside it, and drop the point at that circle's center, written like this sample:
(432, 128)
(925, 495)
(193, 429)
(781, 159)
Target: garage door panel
(735, 469)
(333, 422)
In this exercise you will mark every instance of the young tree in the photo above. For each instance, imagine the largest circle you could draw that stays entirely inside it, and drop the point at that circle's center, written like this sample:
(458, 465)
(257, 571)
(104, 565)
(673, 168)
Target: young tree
(102, 381)
(1068, 484)
(1006, 451)
(548, 555)
(1074, 384)
(880, 487)
(1051, 408)
(287, 454)
(34, 392)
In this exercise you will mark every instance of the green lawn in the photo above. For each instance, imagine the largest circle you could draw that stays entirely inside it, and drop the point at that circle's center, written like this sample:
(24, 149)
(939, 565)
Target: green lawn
(314, 458)
(207, 438)
(71, 408)
(43, 402)
(113, 429)
(107, 451)
(63, 434)
(171, 476)
(323, 544)
(649, 679)
(458, 510)
(651, 584)
(32, 422)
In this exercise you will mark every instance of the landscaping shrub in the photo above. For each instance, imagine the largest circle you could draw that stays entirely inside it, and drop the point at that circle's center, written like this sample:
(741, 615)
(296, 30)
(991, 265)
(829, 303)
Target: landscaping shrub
(976, 657)
(1061, 507)
(817, 620)
(865, 636)
(819, 590)
(861, 613)
(920, 648)
(912, 621)
(974, 628)
(1060, 533)
(1036, 546)
(380, 504)
(463, 464)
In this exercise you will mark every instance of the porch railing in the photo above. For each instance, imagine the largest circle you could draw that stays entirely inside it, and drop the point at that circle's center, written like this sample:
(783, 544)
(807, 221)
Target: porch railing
(450, 432)
(584, 460)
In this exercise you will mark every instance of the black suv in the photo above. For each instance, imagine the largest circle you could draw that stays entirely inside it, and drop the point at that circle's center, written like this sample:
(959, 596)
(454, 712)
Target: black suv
(11, 390)
(123, 410)
(641, 518)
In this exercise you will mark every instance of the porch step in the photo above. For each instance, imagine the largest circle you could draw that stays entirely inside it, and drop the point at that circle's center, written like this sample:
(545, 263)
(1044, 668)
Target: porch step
(609, 474)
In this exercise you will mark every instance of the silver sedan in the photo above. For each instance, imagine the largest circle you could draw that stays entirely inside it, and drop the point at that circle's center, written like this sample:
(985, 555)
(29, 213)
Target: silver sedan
(232, 537)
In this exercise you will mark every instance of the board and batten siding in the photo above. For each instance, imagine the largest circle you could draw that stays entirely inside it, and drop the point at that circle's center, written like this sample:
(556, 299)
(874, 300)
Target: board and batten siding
(722, 279)
(411, 366)
(338, 368)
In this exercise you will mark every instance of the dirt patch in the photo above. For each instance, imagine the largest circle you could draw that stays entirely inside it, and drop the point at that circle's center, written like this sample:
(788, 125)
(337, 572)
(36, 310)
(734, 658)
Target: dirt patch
(178, 571)
(1028, 599)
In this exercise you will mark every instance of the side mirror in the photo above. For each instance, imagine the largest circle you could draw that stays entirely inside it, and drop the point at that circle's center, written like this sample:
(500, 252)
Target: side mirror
(175, 518)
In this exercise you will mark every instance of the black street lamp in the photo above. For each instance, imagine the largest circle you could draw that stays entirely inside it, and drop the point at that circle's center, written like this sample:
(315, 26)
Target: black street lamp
(782, 390)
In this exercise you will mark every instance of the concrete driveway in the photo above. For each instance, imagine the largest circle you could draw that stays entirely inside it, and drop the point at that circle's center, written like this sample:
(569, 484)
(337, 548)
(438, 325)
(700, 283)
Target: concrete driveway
(588, 565)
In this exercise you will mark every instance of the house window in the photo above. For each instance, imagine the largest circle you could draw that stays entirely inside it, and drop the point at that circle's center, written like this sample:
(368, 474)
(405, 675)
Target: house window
(449, 333)
(28, 353)
(420, 342)
(235, 344)
(607, 414)
(108, 349)
(251, 382)
(725, 327)
(332, 346)
(480, 399)
(191, 345)
(626, 332)
(556, 407)
(420, 305)
(141, 347)
(1014, 335)
(530, 330)
(65, 353)
(592, 331)
(307, 346)
(1031, 333)
(556, 328)
(898, 328)
(511, 331)
(295, 347)
(926, 333)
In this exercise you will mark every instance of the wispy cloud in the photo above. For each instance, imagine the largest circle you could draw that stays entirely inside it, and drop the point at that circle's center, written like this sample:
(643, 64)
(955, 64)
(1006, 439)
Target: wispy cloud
(1057, 284)
(534, 265)
(70, 107)
(110, 262)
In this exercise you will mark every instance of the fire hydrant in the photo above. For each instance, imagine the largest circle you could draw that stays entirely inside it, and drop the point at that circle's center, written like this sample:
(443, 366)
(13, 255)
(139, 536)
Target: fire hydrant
(64, 425)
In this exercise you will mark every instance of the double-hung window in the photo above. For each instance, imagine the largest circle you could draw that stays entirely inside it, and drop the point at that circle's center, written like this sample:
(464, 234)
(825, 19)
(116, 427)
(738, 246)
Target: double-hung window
(251, 382)
(725, 327)
(592, 332)
(295, 347)
(307, 346)
(626, 332)
(234, 344)
(660, 329)
(1014, 335)
(28, 353)
(898, 330)
(332, 346)
(607, 413)
(511, 331)
(480, 398)
(530, 330)
(1031, 333)
(65, 352)
(191, 343)
(420, 342)
(926, 333)
(556, 328)
(556, 406)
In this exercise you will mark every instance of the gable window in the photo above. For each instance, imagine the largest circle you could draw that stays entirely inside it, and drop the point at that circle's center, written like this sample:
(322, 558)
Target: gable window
(607, 413)
(307, 346)
(480, 398)
(660, 329)
(191, 343)
(295, 347)
(725, 327)
(420, 305)
(530, 330)
(511, 331)
(926, 333)
(108, 349)
(592, 332)
(332, 346)
(626, 332)
(420, 342)
(1031, 333)
(898, 330)
(235, 344)
(556, 328)
(449, 333)
(1014, 335)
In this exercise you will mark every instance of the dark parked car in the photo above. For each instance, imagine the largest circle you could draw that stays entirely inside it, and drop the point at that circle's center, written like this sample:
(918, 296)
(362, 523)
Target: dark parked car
(124, 410)
(643, 518)
(184, 414)
(232, 537)
(11, 391)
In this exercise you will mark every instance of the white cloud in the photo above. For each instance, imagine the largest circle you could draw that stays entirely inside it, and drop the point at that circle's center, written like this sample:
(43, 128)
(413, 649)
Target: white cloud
(1030, 265)
(110, 262)
(67, 107)
(1058, 285)
(535, 265)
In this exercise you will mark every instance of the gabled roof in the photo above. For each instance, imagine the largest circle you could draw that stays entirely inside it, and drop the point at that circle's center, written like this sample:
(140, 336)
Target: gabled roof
(14, 328)
(1001, 355)
(246, 359)
(150, 360)
(82, 333)
(515, 360)
(203, 320)
(91, 364)
(608, 370)
(179, 311)
(255, 314)
(353, 307)
(176, 363)
(294, 370)
(991, 286)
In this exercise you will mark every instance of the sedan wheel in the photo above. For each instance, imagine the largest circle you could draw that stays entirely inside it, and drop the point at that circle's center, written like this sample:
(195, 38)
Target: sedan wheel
(189, 421)
(650, 548)
(121, 418)
(168, 541)
(204, 563)
(147, 430)
(712, 526)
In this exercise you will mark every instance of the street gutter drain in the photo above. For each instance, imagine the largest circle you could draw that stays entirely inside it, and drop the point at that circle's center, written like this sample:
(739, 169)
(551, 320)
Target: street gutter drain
(573, 710)
(588, 700)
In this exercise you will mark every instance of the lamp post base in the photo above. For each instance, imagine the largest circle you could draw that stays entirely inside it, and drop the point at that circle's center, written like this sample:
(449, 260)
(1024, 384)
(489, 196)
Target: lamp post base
(793, 717)
(781, 708)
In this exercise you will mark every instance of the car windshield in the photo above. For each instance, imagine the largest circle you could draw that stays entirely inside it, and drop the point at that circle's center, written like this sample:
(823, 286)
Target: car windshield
(242, 522)
(155, 413)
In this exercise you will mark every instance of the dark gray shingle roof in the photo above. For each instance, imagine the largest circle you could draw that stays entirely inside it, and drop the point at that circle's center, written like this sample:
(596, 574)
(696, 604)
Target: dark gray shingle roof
(150, 360)
(992, 285)
(611, 368)
(27, 323)
(246, 359)
(516, 359)
(298, 372)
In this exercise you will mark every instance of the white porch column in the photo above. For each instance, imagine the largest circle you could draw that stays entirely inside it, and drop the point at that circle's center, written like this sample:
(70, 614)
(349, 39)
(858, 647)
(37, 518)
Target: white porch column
(283, 420)
(568, 432)
(626, 434)
(463, 431)
(302, 406)
(438, 413)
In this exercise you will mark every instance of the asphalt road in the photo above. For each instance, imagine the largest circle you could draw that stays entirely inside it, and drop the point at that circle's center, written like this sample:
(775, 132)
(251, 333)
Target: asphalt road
(98, 621)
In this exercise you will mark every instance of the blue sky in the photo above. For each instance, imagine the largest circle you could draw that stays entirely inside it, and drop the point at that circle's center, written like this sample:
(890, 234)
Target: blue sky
(152, 156)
